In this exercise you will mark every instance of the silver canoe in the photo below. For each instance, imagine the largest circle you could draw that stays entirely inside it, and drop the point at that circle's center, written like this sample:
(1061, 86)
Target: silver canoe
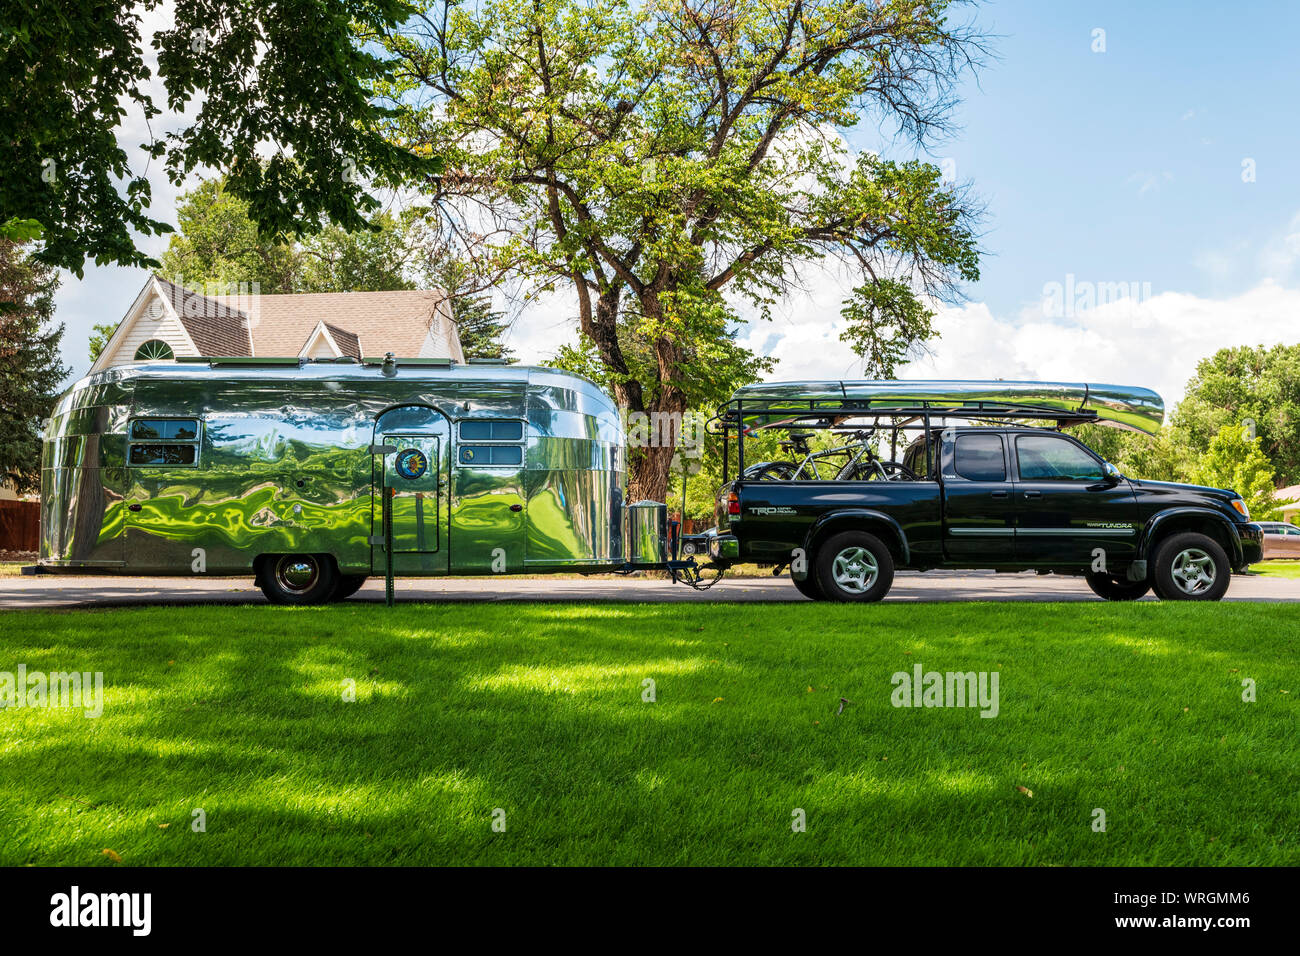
(1123, 406)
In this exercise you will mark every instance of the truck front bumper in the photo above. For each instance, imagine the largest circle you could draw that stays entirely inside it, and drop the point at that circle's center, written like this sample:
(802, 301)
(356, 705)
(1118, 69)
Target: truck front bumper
(1251, 537)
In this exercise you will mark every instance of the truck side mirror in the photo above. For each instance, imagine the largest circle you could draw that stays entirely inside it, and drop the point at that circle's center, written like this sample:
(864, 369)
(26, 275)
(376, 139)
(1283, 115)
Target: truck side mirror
(1111, 472)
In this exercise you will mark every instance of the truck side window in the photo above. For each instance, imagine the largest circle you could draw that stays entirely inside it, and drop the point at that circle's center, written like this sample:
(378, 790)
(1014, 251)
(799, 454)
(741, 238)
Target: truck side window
(979, 458)
(1048, 458)
(164, 441)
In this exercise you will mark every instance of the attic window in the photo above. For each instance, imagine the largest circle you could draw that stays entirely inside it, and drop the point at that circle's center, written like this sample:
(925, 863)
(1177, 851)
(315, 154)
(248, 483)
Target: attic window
(155, 350)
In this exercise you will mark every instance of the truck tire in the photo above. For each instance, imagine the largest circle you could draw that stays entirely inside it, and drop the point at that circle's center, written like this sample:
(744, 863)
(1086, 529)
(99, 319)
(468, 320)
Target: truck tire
(1115, 588)
(1190, 567)
(808, 587)
(349, 584)
(298, 579)
(854, 566)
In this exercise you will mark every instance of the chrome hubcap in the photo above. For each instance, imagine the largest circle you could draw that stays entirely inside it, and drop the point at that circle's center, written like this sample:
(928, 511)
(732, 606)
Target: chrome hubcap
(855, 570)
(296, 574)
(1193, 571)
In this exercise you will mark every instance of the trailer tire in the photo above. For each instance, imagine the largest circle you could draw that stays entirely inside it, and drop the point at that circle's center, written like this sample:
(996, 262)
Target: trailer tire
(1190, 567)
(349, 584)
(854, 566)
(808, 587)
(1114, 588)
(298, 579)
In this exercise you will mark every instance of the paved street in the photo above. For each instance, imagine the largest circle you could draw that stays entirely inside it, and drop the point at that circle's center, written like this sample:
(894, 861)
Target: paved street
(85, 591)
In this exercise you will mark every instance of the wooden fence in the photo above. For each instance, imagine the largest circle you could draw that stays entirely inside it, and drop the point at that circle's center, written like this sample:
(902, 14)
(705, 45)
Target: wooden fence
(20, 525)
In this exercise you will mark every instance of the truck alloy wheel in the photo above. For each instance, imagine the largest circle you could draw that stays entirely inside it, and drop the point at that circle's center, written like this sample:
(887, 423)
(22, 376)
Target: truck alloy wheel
(1191, 567)
(855, 569)
(298, 578)
(854, 566)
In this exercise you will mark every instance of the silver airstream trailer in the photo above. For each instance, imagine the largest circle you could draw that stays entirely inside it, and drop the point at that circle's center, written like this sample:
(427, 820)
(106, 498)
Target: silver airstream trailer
(285, 469)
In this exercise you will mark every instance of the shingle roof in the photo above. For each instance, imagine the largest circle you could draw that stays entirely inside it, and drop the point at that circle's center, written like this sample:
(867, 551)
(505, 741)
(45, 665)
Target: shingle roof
(215, 328)
(348, 342)
(279, 325)
(397, 322)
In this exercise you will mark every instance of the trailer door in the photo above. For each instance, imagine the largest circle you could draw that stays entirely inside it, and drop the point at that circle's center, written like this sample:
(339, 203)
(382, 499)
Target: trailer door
(410, 466)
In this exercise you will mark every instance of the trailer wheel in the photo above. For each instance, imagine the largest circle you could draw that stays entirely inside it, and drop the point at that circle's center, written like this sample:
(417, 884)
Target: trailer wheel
(298, 578)
(854, 566)
(1190, 567)
(808, 587)
(349, 584)
(1114, 588)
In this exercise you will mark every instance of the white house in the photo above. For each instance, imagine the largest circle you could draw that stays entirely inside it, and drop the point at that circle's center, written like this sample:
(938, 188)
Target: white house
(1290, 512)
(166, 322)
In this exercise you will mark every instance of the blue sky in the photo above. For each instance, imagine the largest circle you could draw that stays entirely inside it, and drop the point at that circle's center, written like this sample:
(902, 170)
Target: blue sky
(1127, 164)
(1115, 166)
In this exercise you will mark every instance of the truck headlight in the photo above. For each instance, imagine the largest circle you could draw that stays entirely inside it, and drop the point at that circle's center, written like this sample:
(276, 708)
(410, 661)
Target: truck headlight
(1241, 508)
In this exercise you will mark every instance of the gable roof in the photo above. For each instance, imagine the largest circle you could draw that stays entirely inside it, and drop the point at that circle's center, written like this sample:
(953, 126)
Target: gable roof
(340, 341)
(399, 322)
(348, 342)
(215, 328)
(410, 323)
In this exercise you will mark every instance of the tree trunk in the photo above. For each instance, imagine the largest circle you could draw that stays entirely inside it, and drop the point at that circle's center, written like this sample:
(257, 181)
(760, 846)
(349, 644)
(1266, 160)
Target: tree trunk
(650, 467)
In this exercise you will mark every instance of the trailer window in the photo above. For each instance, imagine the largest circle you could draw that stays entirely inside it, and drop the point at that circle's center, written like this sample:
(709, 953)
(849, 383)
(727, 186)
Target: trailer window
(491, 455)
(164, 441)
(491, 431)
(162, 454)
(165, 429)
(979, 458)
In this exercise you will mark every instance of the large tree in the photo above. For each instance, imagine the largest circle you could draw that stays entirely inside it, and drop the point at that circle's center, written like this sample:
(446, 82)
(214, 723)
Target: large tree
(30, 369)
(1235, 460)
(282, 105)
(219, 243)
(652, 156)
(1257, 386)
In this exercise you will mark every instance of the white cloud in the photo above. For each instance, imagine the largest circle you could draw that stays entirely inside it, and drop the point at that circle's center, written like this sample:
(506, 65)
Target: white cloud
(1153, 343)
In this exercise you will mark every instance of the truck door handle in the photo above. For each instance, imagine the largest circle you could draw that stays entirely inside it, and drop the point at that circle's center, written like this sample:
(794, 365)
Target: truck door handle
(1033, 494)
(998, 494)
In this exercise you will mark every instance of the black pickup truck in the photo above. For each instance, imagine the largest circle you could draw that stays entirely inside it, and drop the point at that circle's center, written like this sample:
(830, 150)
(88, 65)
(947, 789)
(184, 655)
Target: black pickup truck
(1005, 498)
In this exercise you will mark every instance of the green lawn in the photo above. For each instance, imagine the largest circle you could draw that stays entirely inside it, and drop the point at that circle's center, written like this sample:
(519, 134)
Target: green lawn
(537, 710)
(1278, 568)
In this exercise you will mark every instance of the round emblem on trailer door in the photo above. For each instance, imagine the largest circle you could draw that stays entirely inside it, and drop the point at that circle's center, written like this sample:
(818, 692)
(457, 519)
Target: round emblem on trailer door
(411, 463)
